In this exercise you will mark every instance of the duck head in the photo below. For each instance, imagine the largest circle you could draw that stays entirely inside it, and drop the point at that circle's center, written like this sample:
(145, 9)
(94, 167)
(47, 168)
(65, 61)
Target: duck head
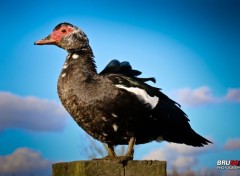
(66, 36)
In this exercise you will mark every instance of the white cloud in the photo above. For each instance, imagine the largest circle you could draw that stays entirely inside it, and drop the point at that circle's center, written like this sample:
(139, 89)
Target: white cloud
(194, 97)
(188, 150)
(24, 161)
(232, 144)
(184, 162)
(233, 95)
(204, 95)
(30, 113)
(158, 154)
(178, 156)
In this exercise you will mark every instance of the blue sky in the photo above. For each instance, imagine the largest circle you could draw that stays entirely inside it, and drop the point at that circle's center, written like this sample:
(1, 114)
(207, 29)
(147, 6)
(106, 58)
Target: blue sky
(192, 48)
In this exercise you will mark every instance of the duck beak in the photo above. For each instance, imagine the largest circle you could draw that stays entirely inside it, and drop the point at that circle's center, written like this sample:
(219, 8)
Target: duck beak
(46, 41)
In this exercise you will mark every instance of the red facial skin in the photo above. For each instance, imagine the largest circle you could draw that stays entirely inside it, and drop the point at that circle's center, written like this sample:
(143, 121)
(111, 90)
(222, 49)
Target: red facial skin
(62, 31)
(55, 37)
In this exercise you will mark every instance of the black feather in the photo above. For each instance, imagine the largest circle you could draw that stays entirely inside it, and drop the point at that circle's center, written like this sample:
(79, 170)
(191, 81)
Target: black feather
(124, 68)
(117, 96)
(170, 121)
(62, 24)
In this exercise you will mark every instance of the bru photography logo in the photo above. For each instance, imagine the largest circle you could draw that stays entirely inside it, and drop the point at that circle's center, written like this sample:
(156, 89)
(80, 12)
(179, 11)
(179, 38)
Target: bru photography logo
(228, 164)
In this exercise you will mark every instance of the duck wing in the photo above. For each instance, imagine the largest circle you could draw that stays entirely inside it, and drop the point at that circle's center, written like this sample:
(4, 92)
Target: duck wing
(165, 119)
(124, 68)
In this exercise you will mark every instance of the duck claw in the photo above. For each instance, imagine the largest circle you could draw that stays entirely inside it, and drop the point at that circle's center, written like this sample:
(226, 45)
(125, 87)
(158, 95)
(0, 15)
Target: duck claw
(124, 159)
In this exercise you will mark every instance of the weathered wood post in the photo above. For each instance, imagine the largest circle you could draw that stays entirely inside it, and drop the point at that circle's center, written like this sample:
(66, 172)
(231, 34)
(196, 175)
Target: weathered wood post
(110, 168)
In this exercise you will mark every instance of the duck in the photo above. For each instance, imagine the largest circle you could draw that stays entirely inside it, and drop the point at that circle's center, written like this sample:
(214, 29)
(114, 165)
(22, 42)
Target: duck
(115, 106)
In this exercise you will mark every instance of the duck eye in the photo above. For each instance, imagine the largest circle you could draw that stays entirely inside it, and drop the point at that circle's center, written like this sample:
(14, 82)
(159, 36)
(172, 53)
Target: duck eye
(63, 30)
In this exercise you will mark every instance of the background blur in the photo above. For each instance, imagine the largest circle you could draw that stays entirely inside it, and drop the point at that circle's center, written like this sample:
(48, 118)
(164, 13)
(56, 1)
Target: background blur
(192, 48)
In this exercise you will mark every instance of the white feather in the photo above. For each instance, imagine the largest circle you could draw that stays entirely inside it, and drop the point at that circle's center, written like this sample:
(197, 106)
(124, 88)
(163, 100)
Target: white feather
(115, 127)
(114, 115)
(142, 95)
(75, 56)
(65, 65)
(63, 75)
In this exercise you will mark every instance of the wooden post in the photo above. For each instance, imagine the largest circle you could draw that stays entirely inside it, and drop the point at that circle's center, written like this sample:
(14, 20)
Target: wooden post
(110, 168)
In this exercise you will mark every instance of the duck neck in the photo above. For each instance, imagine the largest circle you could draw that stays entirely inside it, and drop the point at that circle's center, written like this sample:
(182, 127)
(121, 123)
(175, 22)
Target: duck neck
(80, 64)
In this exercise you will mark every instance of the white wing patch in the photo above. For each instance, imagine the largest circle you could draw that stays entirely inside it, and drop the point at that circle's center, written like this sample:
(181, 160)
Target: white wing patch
(142, 95)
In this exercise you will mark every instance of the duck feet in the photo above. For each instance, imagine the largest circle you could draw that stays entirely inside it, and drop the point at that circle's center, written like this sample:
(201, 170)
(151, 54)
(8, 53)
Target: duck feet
(121, 159)
(124, 159)
(111, 154)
